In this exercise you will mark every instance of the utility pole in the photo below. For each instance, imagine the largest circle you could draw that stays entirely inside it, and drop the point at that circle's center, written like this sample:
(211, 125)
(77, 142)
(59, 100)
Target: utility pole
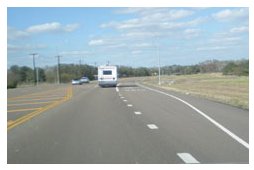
(80, 71)
(33, 54)
(79, 62)
(58, 70)
(37, 75)
(159, 63)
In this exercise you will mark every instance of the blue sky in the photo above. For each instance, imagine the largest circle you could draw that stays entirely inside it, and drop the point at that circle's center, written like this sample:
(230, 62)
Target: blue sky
(126, 36)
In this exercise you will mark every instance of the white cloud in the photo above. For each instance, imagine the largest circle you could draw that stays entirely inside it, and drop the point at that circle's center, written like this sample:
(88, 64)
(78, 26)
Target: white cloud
(167, 15)
(132, 23)
(47, 27)
(96, 42)
(109, 24)
(136, 52)
(231, 14)
(142, 45)
(157, 13)
(71, 27)
(222, 40)
(25, 47)
(116, 45)
(42, 28)
(177, 14)
(225, 39)
(73, 53)
(149, 17)
(190, 33)
(14, 33)
(239, 29)
(51, 27)
(140, 34)
(213, 48)
(133, 30)
(134, 10)
(180, 25)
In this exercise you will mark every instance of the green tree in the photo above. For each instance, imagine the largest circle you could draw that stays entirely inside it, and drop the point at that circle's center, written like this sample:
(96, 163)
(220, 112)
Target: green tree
(26, 74)
(12, 82)
(240, 69)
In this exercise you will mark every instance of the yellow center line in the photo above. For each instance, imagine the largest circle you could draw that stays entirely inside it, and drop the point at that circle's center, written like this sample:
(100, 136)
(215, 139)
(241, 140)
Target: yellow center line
(69, 92)
(21, 110)
(35, 96)
(9, 122)
(31, 103)
(51, 98)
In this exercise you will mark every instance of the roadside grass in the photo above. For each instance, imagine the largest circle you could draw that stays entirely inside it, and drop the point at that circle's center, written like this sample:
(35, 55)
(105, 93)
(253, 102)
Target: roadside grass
(233, 90)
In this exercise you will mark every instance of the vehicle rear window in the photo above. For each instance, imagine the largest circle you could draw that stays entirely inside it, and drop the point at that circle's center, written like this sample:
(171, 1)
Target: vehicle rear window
(107, 72)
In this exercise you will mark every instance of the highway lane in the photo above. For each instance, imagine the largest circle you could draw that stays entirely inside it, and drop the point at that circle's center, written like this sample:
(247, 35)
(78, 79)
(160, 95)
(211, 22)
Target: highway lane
(94, 127)
(128, 125)
(233, 118)
(190, 131)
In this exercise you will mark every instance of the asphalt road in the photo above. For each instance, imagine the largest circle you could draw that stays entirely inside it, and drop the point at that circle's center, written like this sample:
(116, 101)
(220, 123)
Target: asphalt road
(129, 124)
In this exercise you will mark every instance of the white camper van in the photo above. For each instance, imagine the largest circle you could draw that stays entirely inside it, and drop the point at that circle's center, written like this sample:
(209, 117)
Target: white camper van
(107, 76)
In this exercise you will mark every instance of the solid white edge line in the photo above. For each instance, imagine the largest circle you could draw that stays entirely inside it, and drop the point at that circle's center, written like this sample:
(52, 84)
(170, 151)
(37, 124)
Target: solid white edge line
(231, 134)
(187, 158)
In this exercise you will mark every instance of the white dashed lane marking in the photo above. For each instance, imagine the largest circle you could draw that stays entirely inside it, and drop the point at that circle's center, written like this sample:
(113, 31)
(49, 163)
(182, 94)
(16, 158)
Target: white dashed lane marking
(188, 158)
(221, 127)
(125, 100)
(152, 126)
(138, 113)
(129, 105)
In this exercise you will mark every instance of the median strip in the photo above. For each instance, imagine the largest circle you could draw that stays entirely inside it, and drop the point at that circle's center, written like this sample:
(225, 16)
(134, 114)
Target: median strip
(29, 116)
(34, 94)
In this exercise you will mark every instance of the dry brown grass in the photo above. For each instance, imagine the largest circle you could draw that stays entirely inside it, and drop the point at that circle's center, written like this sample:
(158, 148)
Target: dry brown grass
(233, 90)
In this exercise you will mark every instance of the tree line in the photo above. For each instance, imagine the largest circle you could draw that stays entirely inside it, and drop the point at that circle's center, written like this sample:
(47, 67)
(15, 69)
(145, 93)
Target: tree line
(18, 75)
